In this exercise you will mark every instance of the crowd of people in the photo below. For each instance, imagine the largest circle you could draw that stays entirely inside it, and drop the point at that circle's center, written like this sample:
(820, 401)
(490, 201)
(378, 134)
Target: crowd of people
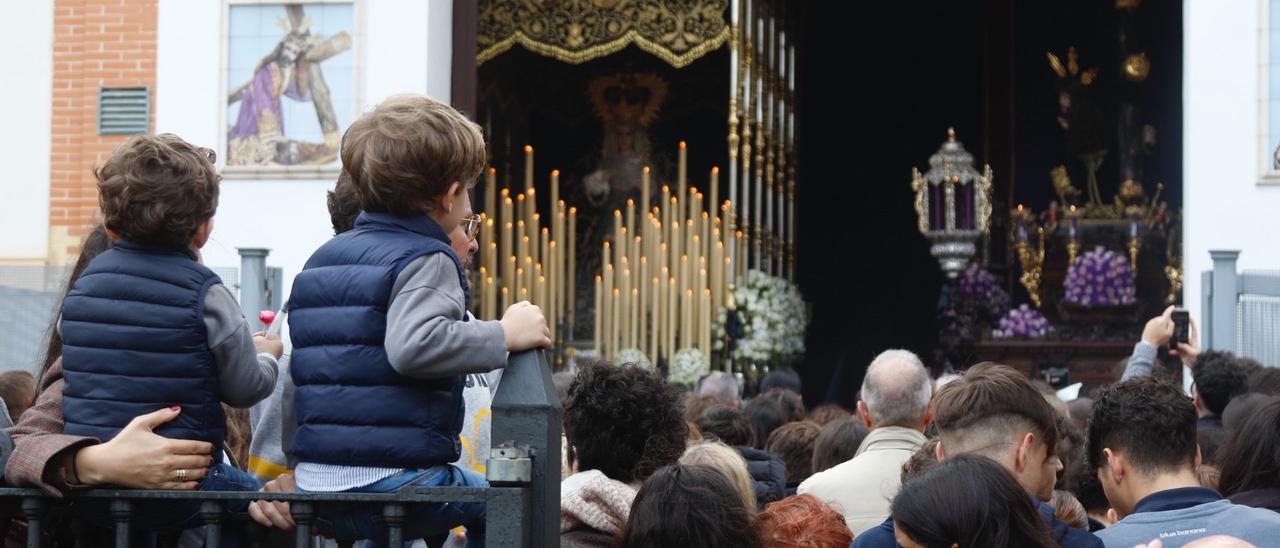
(383, 381)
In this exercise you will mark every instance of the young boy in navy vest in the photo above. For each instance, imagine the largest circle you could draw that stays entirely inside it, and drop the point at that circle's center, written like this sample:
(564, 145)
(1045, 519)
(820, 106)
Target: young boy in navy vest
(147, 326)
(381, 342)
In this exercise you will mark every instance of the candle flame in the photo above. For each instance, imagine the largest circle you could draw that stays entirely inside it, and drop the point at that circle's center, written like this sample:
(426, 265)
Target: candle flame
(646, 169)
(573, 211)
(715, 170)
(555, 173)
(681, 145)
(528, 149)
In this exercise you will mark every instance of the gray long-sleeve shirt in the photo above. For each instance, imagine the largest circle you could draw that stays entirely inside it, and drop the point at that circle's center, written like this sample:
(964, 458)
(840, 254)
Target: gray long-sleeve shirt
(245, 377)
(427, 336)
(1143, 360)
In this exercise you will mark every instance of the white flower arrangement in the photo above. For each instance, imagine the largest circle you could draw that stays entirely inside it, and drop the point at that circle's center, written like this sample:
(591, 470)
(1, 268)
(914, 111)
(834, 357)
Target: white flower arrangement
(687, 366)
(774, 317)
(633, 356)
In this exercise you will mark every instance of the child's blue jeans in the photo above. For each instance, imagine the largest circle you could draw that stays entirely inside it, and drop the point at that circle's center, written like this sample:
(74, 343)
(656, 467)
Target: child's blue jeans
(364, 521)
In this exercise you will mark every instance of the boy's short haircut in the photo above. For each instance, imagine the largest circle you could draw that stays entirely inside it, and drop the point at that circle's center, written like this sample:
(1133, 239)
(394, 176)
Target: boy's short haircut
(408, 150)
(158, 190)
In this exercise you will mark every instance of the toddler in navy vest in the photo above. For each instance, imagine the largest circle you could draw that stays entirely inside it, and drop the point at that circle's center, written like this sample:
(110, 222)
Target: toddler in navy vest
(381, 342)
(147, 326)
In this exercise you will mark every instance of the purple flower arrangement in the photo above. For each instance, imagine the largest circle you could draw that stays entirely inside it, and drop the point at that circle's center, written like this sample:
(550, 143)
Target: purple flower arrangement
(1100, 278)
(978, 286)
(1023, 322)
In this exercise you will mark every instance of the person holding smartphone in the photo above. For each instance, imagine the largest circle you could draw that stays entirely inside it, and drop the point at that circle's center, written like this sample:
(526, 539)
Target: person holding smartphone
(1159, 332)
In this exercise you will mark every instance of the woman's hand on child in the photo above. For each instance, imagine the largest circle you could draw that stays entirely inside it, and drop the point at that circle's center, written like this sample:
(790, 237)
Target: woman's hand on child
(525, 327)
(275, 346)
(139, 458)
(273, 513)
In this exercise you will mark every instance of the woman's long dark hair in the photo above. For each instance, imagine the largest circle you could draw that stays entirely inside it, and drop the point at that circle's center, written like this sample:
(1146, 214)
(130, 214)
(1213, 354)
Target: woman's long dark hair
(96, 242)
(691, 506)
(1251, 460)
(971, 501)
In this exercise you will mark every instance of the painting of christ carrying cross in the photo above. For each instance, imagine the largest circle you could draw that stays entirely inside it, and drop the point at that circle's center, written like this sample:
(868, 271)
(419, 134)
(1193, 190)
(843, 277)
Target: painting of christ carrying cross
(289, 80)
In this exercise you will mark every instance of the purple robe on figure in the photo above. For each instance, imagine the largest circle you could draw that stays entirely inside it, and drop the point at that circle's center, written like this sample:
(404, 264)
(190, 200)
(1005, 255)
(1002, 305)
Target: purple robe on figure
(260, 97)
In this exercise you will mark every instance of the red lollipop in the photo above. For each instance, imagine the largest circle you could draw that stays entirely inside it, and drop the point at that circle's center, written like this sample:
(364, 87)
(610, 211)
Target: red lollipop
(267, 317)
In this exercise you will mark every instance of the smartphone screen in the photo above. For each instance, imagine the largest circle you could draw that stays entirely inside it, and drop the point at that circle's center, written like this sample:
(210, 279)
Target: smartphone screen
(1181, 328)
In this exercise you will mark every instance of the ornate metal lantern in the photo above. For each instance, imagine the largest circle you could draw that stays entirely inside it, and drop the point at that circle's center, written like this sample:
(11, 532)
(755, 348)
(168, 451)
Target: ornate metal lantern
(953, 202)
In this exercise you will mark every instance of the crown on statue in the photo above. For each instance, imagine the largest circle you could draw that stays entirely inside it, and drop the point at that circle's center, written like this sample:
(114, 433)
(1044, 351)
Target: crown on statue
(628, 98)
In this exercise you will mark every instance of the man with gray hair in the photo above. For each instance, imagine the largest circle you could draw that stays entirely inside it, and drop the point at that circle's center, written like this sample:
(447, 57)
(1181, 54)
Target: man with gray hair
(722, 386)
(894, 405)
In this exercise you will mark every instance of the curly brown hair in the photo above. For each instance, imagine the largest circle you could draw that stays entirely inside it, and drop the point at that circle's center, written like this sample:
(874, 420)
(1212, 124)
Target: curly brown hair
(408, 151)
(158, 190)
(624, 421)
(1151, 421)
(344, 204)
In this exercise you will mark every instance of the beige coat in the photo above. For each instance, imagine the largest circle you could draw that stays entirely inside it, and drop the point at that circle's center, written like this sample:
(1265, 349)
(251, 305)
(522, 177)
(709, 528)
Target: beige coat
(861, 488)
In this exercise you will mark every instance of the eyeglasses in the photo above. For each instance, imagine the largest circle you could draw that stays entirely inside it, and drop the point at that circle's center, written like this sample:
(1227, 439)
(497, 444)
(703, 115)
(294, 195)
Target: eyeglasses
(472, 225)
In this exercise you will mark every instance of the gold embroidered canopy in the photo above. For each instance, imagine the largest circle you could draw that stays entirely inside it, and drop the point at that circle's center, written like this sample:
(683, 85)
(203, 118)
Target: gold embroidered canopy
(576, 31)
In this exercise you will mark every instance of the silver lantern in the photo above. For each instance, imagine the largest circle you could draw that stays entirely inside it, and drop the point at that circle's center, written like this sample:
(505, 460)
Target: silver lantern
(953, 203)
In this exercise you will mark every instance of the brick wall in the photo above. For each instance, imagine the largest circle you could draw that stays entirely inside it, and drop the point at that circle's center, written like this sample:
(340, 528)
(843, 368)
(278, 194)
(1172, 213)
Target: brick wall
(96, 43)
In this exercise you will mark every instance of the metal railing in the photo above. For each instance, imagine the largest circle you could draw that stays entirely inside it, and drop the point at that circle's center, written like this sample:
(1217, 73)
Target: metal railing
(1241, 309)
(522, 502)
